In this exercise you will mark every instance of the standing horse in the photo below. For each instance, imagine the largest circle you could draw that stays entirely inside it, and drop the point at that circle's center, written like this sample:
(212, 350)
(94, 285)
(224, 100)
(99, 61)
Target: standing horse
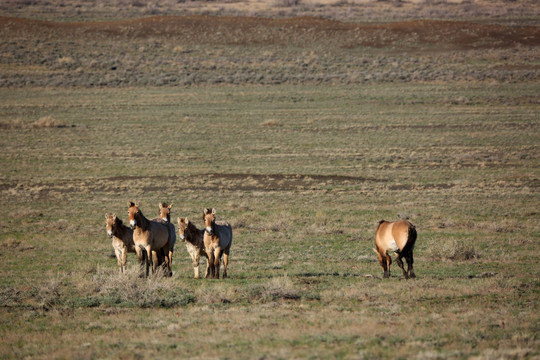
(217, 242)
(149, 236)
(164, 217)
(194, 239)
(122, 239)
(399, 237)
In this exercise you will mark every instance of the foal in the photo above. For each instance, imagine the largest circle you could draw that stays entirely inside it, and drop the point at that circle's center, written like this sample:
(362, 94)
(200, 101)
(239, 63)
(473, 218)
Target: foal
(122, 239)
(194, 239)
(217, 243)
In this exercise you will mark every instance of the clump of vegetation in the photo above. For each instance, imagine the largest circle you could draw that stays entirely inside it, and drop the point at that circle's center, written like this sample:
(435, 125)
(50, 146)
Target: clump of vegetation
(46, 122)
(455, 250)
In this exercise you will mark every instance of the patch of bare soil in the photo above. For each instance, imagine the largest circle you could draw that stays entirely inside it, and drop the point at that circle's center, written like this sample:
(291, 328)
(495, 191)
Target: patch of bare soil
(301, 31)
(198, 49)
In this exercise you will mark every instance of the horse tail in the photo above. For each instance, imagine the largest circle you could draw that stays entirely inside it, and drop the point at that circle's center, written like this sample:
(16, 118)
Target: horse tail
(411, 239)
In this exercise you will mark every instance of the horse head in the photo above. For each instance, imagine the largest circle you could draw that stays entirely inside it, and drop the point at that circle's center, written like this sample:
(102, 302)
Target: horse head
(209, 218)
(182, 228)
(165, 211)
(134, 214)
(110, 221)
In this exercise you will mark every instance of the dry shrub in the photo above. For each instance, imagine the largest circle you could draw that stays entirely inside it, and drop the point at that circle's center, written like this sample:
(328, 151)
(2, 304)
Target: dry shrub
(110, 287)
(455, 250)
(277, 288)
(271, 123)
(46, 122)
(14, 124)
(48, 295)
(219, 294)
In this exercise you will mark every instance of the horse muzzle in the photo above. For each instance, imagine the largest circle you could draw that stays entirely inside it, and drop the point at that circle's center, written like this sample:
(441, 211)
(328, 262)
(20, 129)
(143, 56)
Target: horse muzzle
(208, 229)
(109, 234)
(132, 224)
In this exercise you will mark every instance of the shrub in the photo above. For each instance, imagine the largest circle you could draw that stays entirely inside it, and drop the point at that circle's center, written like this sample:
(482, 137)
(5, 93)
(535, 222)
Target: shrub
(455, 250)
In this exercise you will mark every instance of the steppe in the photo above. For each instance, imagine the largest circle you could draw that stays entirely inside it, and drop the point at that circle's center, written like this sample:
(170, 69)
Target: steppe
(303, 123)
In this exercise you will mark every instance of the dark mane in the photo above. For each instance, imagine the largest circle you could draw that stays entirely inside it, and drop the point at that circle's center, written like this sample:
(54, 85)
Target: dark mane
(144, 223)
(194, 233)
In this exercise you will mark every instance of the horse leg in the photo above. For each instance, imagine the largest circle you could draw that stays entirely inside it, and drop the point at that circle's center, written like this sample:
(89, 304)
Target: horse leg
(170, 262)
(157, 260)
(410, 270)
(124, 259)
(140, 255)
(195, 261)
(149, 261)
(210, 264)
(388, 263)
(118, 254)
(400, 264)
(217, 261)
(225, 262)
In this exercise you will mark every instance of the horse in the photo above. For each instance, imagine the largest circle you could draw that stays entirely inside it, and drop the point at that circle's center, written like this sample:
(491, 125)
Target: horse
(217, 242)
(164, 217)
(122, 239)
(150, 237)
(194, 239)
(399, 237)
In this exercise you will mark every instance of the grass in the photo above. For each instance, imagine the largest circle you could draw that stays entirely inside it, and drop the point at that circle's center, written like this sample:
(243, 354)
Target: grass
(303, 173)
(303, 134)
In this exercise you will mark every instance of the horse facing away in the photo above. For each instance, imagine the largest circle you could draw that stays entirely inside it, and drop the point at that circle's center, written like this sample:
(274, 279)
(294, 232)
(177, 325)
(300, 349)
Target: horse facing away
(149, 236)
(399, 237)
(217, 243)
(122, 239)
(194, 239)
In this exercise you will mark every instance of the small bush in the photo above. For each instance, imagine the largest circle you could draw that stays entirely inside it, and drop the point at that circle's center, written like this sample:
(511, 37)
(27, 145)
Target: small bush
(46, 122)
(455, 250)
(277, 288)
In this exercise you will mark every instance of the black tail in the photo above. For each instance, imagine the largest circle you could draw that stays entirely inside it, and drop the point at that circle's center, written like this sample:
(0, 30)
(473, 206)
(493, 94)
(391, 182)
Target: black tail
(411, 240)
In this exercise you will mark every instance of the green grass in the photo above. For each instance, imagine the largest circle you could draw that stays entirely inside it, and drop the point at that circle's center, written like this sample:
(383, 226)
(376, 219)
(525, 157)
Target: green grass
(304, 174)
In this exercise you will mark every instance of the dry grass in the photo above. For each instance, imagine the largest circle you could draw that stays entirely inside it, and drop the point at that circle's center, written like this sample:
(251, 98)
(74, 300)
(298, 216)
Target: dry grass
(439, 126)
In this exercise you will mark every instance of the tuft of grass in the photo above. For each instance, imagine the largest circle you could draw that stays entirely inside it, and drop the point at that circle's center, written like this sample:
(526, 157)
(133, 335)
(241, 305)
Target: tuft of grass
(455, 250)
(46, 122)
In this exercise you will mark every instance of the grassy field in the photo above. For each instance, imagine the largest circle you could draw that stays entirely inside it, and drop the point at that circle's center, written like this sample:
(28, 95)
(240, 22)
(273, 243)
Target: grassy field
(303, 133)
(303, 173)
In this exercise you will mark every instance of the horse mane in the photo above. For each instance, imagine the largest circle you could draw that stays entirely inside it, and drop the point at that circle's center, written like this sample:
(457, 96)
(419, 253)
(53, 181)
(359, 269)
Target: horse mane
(119, 228)
(195, 233)
(144, 223)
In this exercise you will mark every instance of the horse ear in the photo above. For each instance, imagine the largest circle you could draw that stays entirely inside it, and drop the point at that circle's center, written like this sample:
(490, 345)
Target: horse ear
(213, 211)
(130, 203)
(114, 216)
(170, 206)
(187, 221)
(160, 206)
(106, 215)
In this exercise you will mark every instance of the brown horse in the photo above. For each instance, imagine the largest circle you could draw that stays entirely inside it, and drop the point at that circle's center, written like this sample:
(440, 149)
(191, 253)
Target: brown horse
(149, 236)
(399, 237)
(194, 239)
(164, 217)
(122, 239)
(217, 243)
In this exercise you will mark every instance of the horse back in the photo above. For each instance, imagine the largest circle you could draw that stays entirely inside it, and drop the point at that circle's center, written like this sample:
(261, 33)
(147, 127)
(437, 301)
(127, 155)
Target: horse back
(392, 235)
(160, 234)
(224, 232)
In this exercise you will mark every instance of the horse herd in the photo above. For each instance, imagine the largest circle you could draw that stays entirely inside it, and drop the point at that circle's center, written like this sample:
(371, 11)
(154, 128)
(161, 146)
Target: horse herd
(153, 241)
